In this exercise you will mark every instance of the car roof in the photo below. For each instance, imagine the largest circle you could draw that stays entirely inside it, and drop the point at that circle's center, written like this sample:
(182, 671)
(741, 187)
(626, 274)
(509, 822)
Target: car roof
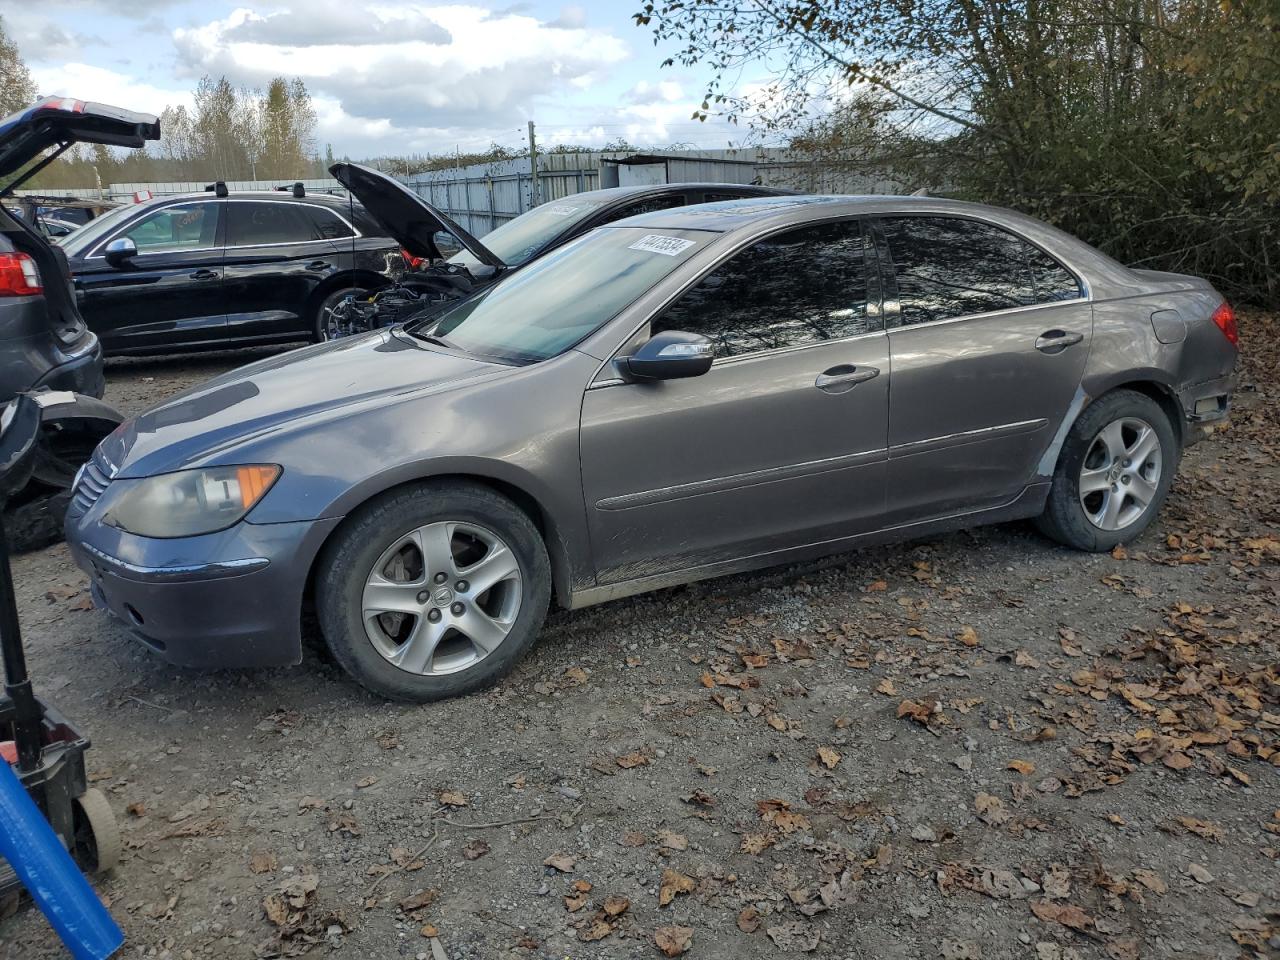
(608, 195)
(278, 195)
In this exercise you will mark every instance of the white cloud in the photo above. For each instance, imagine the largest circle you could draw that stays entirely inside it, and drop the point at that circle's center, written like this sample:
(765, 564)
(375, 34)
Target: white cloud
(413, 65)
(85, 82)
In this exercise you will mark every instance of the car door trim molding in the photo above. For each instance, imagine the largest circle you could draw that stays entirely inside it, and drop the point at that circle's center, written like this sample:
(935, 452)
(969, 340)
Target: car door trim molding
(965, 436)
(698, 488)
(902, 328)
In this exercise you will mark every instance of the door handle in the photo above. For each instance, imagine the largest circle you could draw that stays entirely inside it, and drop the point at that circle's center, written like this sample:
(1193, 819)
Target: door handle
(844, 377)
(1055, 341)
(204, 275)
(319, 265)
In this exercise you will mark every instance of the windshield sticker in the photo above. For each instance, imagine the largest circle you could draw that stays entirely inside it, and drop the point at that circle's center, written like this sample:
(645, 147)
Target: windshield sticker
(561, 210)
(656, 243)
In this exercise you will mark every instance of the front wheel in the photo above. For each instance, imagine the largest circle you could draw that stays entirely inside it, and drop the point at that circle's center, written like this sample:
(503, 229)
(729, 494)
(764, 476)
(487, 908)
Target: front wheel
(327, 323)
(433, 591)
(1116, 467)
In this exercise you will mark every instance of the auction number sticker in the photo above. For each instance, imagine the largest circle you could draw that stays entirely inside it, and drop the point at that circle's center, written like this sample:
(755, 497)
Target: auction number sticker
(656, 243)
(561, 210)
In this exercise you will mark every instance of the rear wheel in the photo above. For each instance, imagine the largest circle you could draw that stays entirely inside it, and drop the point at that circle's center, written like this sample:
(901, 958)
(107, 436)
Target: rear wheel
(96, 845)
(433, 591)
(1116, 467)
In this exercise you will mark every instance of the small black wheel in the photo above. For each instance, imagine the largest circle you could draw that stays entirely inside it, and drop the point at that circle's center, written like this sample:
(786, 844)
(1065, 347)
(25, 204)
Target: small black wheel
(324, 325)
(433, 590)
(96, 845)
(1113, 474)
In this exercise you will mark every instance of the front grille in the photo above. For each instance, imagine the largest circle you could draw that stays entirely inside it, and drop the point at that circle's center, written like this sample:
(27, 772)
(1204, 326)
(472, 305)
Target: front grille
(93, 481)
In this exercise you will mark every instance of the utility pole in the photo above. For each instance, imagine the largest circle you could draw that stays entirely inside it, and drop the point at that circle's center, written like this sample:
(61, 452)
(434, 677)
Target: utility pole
(533, 168)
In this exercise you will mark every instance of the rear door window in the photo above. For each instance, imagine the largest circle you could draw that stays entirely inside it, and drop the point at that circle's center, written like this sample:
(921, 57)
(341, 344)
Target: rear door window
(788, 290)
(949, 267)
(253, 223)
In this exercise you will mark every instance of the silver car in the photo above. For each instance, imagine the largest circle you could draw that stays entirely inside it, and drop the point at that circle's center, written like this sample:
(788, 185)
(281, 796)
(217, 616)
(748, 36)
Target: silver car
(683, 394)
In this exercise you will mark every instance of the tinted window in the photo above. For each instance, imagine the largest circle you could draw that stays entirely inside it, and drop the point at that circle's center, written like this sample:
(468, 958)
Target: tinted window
(325, 223)
(643, 206)
(516, 241)
(798, 287)
(253, 223)
(186, 226)
(557, 300)
(948, 267)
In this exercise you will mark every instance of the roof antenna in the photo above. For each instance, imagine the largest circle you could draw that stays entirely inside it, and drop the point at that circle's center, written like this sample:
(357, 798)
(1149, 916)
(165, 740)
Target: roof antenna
(218, 188)
(299, 190)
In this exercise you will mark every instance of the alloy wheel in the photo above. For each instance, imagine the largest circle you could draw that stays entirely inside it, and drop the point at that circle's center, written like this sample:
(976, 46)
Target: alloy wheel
(1120, 475)
(442, 598)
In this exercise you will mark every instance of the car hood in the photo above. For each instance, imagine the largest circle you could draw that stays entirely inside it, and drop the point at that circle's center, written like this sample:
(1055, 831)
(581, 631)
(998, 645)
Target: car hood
(60, 122)
(208, 424)
(406, 217)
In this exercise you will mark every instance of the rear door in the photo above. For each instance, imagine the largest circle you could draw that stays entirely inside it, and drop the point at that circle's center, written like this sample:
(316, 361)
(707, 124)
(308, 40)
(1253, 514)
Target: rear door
(170, 294)
(989, 336)
(277, 253)
(780, 444)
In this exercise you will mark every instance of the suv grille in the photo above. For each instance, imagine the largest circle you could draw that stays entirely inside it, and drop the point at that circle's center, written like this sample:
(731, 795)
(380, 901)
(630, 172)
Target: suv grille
(93, 481)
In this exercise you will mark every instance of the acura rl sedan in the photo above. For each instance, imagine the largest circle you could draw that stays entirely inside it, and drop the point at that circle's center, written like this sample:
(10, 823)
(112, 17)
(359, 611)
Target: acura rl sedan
(679, 395)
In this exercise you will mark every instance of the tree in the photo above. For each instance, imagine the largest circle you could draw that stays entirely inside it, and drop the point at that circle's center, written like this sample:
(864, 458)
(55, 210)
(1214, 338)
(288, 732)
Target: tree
(287, 122)
(1149, 127)
(16, 88)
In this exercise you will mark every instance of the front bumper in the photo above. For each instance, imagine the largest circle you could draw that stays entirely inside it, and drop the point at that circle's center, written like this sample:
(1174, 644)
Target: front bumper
(226, 599)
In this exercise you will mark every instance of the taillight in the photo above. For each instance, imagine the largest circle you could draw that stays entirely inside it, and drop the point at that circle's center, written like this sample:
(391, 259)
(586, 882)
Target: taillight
(18, 276)
(410, 261)
(1225, 320)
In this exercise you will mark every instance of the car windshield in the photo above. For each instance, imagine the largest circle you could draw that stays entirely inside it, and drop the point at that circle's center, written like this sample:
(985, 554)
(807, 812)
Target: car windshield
(517, 240)
(79, 241)
(554, 303)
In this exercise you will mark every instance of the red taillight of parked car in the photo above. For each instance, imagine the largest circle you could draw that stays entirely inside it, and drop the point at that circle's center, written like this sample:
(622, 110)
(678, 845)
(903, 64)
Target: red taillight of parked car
(18, 276)
(1225, 320)
(410, 261)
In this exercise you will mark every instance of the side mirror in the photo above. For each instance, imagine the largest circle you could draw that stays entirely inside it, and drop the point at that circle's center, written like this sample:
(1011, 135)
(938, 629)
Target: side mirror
(120, 251)
(670, 355)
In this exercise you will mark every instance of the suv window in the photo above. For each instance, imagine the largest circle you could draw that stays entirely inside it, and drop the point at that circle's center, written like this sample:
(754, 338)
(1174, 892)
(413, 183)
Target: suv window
(183, 226)
(950, 267)
(802, 286)
(251, 223)
(325, 223)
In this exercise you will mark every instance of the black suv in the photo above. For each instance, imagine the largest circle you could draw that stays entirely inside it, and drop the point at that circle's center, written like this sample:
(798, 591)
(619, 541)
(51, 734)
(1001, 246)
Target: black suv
(216, 269)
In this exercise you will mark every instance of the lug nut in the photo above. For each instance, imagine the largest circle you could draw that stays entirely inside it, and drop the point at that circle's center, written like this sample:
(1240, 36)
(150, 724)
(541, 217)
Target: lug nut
(462, 586)
(457, 609)
(1124, 479)
(1115, 488)
(1126, 463)
(423, 596)
(441, 577)
(433, 615)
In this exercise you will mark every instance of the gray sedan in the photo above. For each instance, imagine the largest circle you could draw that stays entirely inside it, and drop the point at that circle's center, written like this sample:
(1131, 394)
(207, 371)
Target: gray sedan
(684, 394)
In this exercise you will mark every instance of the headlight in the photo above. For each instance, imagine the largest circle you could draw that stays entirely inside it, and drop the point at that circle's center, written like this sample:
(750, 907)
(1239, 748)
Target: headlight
(191, 502)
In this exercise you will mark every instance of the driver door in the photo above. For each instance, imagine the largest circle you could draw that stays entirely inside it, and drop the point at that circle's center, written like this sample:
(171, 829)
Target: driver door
(781, 444)
(170, 293)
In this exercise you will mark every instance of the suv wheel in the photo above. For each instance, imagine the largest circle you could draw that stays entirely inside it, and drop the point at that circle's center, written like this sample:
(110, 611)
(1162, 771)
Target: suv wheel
(433, 591)
(1114, 473)
(324, 325)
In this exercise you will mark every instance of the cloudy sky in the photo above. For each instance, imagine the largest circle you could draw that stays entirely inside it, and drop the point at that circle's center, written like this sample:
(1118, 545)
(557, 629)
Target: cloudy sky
(386, 79)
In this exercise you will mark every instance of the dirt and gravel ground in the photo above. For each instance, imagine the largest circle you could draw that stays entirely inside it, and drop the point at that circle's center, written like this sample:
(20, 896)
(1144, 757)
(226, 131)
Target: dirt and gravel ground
(979, 745)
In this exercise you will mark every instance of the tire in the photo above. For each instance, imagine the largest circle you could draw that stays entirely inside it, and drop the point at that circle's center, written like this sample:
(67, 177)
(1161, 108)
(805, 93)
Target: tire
(319, 322)
(391, 548)
(97, 834)
(1111, 513)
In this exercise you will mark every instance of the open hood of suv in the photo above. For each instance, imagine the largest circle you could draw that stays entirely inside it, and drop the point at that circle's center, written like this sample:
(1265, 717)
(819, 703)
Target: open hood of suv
(59, 122)
(407, 218)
